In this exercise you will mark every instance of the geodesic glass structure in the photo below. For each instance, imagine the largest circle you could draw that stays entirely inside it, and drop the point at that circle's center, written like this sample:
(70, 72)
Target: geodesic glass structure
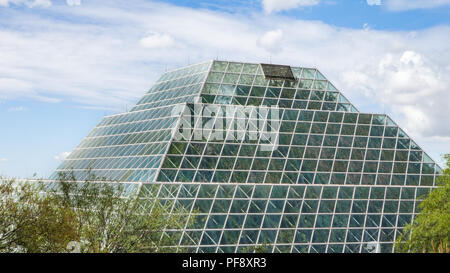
(325, 178)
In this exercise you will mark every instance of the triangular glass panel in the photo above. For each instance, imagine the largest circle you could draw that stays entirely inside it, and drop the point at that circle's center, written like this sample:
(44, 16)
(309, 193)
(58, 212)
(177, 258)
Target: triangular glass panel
(259, 70)
(319, 76)
(297, 71)
(389, 122)
(401, 133)
(427, 158)
(353, 109)
(414, 146)
(331, 87)
(343, 99)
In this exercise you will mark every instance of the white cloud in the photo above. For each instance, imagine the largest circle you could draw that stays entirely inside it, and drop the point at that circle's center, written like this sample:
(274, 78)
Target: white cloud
(41, 3)
(279, 5)
(61, 156)
(271, 39)
(3, 160)
(414, 89)
(28, 3)
(157, 40)
(400, 5)
(6, 3)
(374, 2)
(103, 64)
(73, 2)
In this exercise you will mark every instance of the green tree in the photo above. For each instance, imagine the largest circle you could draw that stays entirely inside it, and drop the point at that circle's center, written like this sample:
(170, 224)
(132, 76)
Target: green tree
(111, 218)
(90, 217)
(430, 231)
(32, 222)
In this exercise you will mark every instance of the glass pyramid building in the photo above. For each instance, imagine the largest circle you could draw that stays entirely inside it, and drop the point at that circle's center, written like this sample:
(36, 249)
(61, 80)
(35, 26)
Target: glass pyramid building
(326, 179)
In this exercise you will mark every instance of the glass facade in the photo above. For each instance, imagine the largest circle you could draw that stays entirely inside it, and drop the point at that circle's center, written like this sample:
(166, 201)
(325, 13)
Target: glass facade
(335, 179)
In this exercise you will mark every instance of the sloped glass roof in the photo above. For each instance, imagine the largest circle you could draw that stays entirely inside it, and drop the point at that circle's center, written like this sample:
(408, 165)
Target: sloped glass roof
(333, 179)
(245, 84)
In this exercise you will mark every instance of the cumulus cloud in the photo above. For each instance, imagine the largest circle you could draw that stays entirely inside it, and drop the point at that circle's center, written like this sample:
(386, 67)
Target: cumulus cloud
(401, 5)
(28, 3)
(106, 63)
(374, 2)
(414, 89)
(157, 40)
(61, 156)
(271, 39)
(41, 3)
(279, 5)
(73, 2)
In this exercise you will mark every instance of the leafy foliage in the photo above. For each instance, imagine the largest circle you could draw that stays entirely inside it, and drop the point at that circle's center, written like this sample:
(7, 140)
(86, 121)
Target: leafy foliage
(430, 231)
(114, 220)
(30, 222)
(88, 217)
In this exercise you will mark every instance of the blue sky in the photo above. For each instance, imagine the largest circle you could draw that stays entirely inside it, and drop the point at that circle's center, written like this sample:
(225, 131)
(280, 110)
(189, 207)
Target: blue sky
(65, 64)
